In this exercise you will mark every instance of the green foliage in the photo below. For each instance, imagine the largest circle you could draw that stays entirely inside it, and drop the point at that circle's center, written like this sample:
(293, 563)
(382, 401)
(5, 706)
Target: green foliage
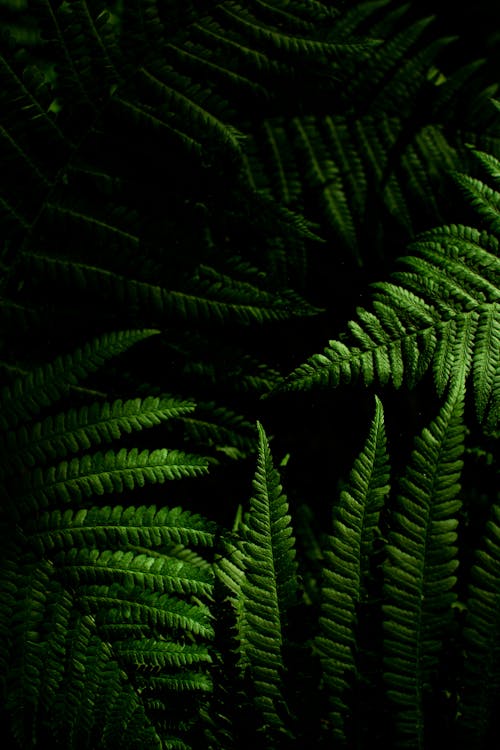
(441, 313)
(192, 196)
(346, 569)
(267, 589)
(82, 582)
(419, 571)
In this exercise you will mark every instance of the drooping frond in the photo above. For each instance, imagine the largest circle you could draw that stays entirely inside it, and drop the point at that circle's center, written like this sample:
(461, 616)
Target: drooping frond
(443, 312)
(420, 570)
(284, 43)
(346, 571)
(128, 610)
(102, 473)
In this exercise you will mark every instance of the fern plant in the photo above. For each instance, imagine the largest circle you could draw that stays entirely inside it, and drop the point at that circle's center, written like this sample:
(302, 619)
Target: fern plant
(441, 312)
(104, 607)
(229, 176)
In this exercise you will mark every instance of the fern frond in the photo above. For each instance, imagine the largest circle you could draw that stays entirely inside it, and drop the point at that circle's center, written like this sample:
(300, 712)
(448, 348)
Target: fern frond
(153, 654)
(119, 609)
(483, 198)
(24, 677)
(160, 573)
(92, 688)
(47, 384)
(420, 567)
(387, 60)
(102, 473)
(177, 682)
(75, 430)
(242, 18)
(188, 109)
(107, 526)
(209, 296)
(443, 312)
(269, 587)
(346, 570)
(482, 626)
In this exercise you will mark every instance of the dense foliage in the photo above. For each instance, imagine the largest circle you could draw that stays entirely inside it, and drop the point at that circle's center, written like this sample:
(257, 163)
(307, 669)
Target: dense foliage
(230, 227)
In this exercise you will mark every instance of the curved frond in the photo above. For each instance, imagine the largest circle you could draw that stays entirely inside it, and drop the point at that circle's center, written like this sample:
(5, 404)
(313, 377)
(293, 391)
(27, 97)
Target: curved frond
(154, 654)
(107, 526)
(121, 610)
(157, 572)
(209, 295)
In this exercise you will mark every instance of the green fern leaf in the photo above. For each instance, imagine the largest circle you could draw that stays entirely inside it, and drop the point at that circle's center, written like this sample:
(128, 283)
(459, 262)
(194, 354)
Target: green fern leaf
(482, 626)
(242, 18)
(210, 295)
(346, 570)
(269, 586)
(484, 199)
(47, 384)
(190, 110)
(102, 473)
(183, 681)
(123, 610)
(442, 312)
(92, 687)
(154, 654)
(160, 573)
(75, 430)
(24, 676)
(111, 526)
(420, 567)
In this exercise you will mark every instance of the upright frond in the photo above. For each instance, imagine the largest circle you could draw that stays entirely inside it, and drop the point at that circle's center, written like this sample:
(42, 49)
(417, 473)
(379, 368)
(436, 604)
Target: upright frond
(268, 588)
(346, 571)
(478, 701)
(420, 570)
